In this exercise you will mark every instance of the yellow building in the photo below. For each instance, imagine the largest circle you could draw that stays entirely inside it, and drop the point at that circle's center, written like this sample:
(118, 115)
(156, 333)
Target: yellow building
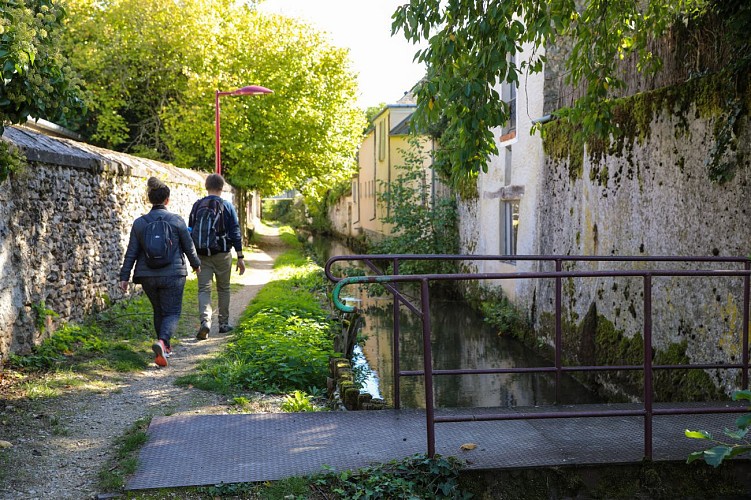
(379, 158)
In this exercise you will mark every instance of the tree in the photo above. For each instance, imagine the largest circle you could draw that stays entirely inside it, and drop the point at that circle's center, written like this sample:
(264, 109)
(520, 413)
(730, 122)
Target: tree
(152, 68)
(303, 136)
(36, 80)
(136, 57)
(420, 223)
(468, 56)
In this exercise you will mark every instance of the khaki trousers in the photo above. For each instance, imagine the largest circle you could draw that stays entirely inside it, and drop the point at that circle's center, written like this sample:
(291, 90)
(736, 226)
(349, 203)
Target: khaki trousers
(217, 266)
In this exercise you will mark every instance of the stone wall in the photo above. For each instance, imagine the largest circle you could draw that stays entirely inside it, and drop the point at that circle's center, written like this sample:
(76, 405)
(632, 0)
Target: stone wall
(651, 194)
(64, 226)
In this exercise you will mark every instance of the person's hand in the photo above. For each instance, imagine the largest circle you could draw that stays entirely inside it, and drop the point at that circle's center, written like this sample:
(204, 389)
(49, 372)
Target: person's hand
(124, 286)
(241, 266)
(197, 270)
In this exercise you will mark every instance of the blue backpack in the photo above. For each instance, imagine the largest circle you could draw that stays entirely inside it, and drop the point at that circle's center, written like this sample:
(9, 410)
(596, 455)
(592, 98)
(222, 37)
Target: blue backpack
(158, 242)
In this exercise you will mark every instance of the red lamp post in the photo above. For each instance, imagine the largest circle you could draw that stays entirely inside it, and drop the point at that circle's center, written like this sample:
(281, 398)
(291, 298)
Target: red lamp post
(249, 90)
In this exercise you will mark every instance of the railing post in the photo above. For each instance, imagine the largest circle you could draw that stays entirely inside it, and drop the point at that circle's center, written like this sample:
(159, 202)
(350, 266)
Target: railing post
(397, 333)
(558, 330)
(746, 287)
(428, 366)
(648, 392)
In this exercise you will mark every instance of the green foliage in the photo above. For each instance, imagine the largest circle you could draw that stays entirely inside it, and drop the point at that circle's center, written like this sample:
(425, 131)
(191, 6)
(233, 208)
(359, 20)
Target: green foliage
(720, 166)
(724, 450)
(41, 313)
(135, 57)
(471, 50)
(503, 315)
(227, 490)
(283, 341)
(420, 225)
(125, 459)
(117, 338)
(277, 210)
(151, 70)
(298, 401)
(372, 111)
(11, 160)
(338, 191)
(416, 477)
(37, 80)
(736, 17)
(302, 136)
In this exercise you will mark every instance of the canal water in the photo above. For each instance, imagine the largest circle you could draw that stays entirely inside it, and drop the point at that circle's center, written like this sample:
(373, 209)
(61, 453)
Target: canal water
(460, 339)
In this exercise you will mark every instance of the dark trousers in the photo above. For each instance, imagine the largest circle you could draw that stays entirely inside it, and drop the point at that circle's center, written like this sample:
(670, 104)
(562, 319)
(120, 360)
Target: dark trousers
(166, 296)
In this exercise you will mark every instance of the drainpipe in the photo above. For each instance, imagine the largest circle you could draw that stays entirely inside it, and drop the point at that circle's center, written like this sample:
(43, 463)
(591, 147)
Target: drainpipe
(542, 119)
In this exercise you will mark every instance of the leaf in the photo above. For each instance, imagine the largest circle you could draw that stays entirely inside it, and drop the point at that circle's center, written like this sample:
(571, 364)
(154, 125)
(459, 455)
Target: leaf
(468, 446)
(695, 456)
(715, 456)
(743, 421)
(697, 434)
(5, 444)
(739, 450)
(736, 434)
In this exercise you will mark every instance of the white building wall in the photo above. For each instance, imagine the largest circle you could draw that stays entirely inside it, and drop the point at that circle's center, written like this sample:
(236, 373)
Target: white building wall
(480, 224)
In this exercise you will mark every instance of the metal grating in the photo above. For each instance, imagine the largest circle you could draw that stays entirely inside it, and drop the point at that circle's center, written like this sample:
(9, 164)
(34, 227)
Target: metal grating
(197, 450)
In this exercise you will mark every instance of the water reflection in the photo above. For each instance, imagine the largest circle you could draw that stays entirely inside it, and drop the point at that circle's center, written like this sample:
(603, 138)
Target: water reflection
(460, 339)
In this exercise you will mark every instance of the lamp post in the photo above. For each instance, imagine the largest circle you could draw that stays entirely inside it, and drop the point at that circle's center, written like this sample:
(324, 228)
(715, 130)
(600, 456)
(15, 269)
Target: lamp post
(249, 90)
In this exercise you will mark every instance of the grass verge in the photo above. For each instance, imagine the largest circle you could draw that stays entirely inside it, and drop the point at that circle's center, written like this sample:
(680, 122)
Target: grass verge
(115, 340)
(112, 477)
(283, 341)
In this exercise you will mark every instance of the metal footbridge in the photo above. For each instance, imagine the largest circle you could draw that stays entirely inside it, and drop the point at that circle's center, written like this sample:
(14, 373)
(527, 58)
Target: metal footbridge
(211, 449)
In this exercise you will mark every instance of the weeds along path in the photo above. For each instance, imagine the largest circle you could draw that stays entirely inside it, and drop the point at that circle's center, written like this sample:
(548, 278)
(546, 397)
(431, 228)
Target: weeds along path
(61, 444)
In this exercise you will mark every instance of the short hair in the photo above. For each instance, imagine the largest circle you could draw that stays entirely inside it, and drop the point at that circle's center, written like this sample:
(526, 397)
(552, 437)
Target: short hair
(158, 191)
(214, 182)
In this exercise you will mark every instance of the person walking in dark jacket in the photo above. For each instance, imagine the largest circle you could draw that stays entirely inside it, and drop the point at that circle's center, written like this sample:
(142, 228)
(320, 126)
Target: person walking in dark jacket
(163, 282)
(216, 255)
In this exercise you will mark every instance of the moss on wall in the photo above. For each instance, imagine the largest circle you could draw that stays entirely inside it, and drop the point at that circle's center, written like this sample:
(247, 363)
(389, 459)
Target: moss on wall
(610, 346)
(594, 341)
(559, 146)
(724, 96)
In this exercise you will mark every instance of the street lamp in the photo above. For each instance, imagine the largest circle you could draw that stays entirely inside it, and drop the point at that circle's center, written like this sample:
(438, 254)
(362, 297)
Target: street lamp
(249, 90)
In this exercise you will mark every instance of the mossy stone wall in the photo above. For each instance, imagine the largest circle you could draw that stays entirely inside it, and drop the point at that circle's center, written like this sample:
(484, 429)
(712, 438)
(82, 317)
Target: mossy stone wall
(677, 181)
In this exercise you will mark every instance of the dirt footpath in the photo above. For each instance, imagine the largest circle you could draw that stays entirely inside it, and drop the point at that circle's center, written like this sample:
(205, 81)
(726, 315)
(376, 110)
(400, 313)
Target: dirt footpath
(60, 445)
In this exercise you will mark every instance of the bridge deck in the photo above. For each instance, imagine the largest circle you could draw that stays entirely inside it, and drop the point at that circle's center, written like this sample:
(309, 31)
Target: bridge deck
(197, 450)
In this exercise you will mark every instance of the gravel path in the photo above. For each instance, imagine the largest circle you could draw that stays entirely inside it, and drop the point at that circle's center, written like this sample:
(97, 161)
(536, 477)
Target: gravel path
(60, 445)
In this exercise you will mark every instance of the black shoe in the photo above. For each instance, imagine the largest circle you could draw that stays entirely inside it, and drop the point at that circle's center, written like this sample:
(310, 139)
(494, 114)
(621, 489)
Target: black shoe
(225, 329)
(203, 332)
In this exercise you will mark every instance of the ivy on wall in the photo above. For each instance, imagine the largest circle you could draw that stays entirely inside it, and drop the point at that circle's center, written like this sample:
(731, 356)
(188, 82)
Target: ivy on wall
(11, 160)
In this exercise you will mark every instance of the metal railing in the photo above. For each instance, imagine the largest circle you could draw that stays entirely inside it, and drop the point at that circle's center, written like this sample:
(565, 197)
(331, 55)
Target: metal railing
(392, 281)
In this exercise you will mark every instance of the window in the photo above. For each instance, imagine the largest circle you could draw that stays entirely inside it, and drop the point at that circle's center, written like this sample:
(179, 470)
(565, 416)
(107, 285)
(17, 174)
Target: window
(382, 140)
(508, 94)
(510, 226)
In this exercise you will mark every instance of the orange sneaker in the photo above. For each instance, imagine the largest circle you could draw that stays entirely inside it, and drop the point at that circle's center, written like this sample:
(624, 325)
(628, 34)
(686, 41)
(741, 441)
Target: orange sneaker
(159, 351)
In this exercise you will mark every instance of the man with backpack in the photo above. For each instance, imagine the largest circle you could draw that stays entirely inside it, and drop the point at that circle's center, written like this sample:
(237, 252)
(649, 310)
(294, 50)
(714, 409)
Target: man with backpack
(158, 244)
(215, 230)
